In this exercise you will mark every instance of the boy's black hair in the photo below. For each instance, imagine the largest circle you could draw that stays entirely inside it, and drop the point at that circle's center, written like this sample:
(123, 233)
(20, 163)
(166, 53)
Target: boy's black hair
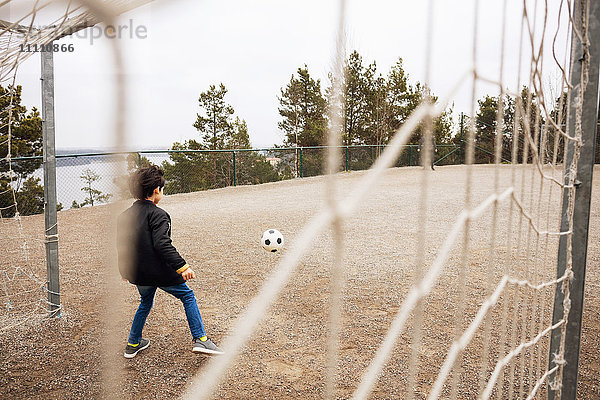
(143, 181)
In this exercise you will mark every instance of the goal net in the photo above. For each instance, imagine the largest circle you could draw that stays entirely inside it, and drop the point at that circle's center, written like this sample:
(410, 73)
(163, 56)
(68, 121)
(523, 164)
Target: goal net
(476, 318)
(28, 29)
(486, 309)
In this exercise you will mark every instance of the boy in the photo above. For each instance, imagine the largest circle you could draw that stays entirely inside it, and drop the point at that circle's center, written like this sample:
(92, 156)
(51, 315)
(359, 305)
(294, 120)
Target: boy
(149, 260)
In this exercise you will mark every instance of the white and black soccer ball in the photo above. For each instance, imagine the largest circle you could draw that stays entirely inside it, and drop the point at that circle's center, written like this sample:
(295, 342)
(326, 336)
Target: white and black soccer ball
(272, 240)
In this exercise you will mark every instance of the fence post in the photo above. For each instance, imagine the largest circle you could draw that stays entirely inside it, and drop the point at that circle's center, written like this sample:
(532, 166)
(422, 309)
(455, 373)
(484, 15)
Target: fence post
(581, 211)
(50, 218)
(346, 158)
(234, 175)
(409, 155)
(460, 143)
(301, 167)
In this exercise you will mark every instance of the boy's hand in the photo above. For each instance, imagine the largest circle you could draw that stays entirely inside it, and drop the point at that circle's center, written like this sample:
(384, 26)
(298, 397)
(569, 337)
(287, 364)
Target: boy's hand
(188, 274)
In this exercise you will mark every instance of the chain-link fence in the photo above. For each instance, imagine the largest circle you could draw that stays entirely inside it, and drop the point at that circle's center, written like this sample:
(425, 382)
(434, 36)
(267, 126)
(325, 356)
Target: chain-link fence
(96, 178)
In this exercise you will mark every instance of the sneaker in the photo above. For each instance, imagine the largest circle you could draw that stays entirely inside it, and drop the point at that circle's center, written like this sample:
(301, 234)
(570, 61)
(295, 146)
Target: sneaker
(206, 347)
(131, 350)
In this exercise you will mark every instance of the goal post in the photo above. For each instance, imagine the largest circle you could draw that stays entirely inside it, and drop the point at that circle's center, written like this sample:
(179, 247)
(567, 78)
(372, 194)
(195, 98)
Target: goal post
(88, 14)
(50, 201)
(572, 250)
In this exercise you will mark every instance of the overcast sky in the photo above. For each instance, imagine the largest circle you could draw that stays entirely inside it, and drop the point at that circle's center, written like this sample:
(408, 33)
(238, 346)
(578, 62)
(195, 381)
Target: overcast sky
(254, 47)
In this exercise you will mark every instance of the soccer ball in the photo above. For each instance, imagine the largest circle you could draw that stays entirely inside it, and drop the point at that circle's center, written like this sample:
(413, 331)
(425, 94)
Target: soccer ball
(272, 240)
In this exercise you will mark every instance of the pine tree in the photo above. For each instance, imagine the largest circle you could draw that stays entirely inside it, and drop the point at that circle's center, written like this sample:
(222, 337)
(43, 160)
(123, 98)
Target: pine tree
(486, 125)
(239, 137)
(401, 98)
(93, 195)
(303, 111)
(527, 115)
(25, 141)
(356, 92)
(25, 132)
(214, 123)
(302, 108)
(196, 170)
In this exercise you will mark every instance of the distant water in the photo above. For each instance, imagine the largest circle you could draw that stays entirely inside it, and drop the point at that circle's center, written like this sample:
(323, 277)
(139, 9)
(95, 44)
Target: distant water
(69, 171)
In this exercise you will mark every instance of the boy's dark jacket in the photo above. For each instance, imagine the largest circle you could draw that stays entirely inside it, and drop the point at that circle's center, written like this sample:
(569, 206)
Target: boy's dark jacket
(144, 238)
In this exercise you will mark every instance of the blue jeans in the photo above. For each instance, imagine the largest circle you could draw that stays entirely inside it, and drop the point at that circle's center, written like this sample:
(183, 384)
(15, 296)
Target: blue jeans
(183, 293)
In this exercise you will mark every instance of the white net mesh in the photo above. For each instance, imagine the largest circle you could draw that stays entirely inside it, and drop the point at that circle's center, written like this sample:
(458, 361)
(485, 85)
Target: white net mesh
(28, 29)
(502, 324)
(491, 320)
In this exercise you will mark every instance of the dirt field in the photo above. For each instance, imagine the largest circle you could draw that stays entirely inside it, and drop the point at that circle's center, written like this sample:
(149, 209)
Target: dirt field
(218, 233)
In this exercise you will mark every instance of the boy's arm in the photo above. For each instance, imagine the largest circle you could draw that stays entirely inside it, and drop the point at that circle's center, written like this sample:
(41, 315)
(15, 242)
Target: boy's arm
(188, 274)
(161, 226)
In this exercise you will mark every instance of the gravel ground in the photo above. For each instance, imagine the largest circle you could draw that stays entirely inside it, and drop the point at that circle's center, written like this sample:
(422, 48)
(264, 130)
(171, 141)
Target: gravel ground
(218, 233)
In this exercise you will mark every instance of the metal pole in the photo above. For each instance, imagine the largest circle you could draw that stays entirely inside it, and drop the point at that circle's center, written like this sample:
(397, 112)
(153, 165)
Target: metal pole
(460, 143)
(50, 181)
(346, 158)
(409, 155)
(234, 178)
(581, 214)
(349, 154)
(301, 168)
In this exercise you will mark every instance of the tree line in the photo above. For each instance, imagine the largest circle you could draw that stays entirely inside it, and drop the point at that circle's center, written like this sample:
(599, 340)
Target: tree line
(516, 118)
(375, 106)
